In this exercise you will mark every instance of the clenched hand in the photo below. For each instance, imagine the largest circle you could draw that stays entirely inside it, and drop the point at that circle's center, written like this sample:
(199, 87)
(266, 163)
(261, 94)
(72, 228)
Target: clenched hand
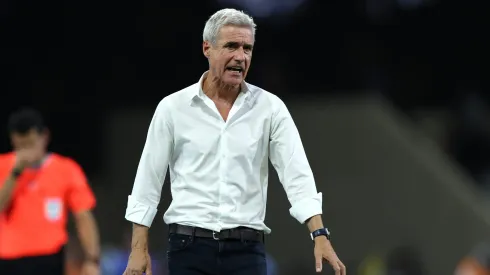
(139, 262)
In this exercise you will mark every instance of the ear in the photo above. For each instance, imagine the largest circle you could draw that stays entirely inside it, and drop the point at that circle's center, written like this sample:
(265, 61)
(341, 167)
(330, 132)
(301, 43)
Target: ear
(47, 135)
(206, 48)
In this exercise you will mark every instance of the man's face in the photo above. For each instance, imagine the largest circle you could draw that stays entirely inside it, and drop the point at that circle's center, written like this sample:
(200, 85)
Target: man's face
(32, 138)
(229, 59)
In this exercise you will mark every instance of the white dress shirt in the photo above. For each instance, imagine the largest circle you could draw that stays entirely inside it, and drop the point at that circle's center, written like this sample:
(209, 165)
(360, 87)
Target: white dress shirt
(219, 169)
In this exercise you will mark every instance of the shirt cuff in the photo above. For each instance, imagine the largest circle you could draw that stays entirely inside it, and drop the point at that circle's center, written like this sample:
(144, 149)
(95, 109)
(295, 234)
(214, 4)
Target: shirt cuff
(140, 213)
(307, 208)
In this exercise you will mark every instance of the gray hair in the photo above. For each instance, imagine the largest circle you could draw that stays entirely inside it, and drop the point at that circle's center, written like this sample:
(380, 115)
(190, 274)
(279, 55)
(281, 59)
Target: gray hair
(226, 17)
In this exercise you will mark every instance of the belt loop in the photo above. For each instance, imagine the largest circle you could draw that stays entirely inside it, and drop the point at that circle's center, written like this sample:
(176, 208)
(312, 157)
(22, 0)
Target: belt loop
(193, 233)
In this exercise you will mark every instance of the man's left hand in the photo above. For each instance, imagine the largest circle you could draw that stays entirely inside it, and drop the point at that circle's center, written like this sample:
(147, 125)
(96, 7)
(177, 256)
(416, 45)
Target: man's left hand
(90, 268)
(324, 250)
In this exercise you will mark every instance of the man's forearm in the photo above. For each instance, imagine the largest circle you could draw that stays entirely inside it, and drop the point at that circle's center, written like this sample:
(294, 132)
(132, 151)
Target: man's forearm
(139, 241)
(314, 223)
(88, 235)
(6, 192)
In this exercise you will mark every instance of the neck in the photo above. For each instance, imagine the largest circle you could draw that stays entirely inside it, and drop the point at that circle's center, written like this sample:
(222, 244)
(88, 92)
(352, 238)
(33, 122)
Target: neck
(217, 90)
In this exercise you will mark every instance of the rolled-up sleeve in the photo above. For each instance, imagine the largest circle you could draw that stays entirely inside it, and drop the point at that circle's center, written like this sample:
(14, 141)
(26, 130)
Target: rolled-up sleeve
(152, 169)
(289, 159)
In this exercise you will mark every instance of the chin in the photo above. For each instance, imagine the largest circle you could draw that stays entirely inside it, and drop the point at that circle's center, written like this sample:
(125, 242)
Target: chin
(233, 82)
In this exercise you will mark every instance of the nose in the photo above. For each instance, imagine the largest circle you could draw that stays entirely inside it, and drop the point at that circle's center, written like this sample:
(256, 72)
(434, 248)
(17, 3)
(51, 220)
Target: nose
(240, 55)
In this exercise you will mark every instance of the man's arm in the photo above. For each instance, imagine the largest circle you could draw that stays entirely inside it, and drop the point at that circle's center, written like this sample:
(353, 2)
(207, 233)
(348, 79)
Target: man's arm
(7, 189)
(81, 202)
(147, 188)
(88, 235)
(139, 240)
(314, 223)
(152, 169)
(289, 159)
(6, 192)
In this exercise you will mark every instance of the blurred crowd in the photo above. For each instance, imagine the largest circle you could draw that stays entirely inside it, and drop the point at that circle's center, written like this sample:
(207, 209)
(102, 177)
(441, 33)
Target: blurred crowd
(406, 260)
(459, 123)
(403, 260)
(469, 141)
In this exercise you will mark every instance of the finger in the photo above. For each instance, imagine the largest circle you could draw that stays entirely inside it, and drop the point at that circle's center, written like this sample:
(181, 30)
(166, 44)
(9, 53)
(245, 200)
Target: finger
(148, 266)
(336, 268)
(318, 263)
(130, 271)
(343, 268)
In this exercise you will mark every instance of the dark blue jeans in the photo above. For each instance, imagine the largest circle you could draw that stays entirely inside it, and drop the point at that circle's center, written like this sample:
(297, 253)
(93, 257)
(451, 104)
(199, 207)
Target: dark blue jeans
(189, 255)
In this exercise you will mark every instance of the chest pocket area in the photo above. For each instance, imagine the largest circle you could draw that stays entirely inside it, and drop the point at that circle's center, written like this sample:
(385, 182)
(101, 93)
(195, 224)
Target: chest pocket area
(199, 143)
(53, 196)
(247, 141)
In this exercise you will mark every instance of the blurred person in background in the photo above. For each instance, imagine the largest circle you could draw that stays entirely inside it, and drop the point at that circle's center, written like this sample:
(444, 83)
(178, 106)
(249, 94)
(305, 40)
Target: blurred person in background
(372, 264)
(272, 268)
(217, 136)
(36, 189)
(404, 260)
(73, 256)
(477, 262)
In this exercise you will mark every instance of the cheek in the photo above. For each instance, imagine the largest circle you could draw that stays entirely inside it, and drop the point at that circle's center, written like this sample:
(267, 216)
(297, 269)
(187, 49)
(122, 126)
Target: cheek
(217, 61)
(249, 57)
(248, 61)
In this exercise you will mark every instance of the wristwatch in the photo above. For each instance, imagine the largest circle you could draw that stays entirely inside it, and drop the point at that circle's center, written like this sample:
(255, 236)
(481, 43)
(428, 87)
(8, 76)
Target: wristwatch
(320, 232)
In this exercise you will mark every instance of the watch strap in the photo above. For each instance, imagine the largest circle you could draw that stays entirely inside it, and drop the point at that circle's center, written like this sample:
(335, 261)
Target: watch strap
(320, 232)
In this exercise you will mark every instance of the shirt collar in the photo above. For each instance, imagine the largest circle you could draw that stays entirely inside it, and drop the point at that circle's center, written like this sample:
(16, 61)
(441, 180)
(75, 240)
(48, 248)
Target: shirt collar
(244, 88)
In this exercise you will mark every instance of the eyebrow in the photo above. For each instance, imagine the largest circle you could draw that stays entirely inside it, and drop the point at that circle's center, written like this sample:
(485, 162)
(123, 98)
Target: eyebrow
(236, 45)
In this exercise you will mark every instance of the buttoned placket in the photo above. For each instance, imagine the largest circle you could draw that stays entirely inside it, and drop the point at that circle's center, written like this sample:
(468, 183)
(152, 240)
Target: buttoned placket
(222, 166)
(223, 148)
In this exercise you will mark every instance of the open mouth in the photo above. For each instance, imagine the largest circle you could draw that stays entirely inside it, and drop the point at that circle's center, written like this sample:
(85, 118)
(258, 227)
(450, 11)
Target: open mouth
(235, 69)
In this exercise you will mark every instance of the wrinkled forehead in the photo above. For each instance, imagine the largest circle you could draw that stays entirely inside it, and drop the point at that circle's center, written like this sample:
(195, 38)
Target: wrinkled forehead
(237, 34)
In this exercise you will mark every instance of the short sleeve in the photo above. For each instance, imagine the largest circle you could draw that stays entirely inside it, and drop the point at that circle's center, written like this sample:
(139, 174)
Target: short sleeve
(80, 195)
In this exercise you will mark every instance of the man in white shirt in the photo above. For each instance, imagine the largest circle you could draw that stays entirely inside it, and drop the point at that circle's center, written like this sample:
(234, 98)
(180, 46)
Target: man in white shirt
(216, 136)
